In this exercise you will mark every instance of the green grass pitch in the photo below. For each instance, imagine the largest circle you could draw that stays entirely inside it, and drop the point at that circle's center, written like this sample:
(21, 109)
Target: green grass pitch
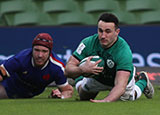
(42, 105)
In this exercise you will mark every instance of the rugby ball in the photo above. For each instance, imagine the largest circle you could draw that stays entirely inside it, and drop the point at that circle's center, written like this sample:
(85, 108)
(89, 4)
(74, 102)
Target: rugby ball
(93, 60)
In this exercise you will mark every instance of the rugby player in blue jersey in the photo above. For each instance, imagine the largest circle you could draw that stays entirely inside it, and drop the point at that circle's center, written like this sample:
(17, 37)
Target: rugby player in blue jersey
(29, 72)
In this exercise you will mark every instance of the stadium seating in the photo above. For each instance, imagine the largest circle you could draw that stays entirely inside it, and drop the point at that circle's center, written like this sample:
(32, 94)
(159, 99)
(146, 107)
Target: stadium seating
(46, 19)
(152, 17)
(2, 23)
(12, 7)
(59, 6)
(26, 18)
(75, 18)
(126, 17)
(141, 5)
(99, 5)
(80, 12)
(9, 8)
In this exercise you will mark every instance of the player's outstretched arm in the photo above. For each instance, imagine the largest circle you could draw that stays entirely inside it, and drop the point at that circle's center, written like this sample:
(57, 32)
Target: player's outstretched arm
(67, 91)
(62, 92)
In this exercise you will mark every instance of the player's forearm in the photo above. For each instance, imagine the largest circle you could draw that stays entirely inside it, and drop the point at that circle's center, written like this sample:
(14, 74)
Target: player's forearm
(67, 94)
(73, 71)
(115, 94)
(121, 81)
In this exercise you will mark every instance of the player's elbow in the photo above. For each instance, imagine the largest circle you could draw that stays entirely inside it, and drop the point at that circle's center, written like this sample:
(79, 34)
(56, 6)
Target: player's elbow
(69, 74)
(66, 73)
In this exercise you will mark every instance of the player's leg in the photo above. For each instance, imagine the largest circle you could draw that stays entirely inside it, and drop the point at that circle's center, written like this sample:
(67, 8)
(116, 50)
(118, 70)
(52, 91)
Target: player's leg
(88, 88)
(133, 91)
(145, 85)
(82, 91)
(3, 94)
(84, 95)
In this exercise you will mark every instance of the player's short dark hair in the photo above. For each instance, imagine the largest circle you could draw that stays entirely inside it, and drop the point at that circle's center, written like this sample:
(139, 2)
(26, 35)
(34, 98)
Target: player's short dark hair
(108, 17)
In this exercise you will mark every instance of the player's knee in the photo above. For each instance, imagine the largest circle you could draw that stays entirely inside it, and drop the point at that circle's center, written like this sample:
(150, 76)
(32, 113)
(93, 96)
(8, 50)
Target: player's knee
(85, 96)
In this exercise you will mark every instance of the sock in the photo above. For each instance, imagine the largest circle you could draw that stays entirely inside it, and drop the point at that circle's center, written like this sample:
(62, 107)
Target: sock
(78, 84)
(138, 91)
(141, 84)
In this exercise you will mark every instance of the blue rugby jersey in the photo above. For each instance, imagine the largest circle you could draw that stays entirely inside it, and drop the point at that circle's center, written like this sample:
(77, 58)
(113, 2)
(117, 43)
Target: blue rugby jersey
(25, 80)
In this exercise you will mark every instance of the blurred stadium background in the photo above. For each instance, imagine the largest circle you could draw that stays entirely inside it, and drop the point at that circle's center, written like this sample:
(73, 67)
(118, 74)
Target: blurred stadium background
(76, 12)
(69, 21)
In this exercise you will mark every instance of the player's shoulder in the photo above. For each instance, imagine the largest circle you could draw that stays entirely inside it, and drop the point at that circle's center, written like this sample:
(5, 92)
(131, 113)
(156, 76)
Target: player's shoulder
(55, 60)
(121, 45)
(90, 38)
(90, 41)
(122, 41)
(122, 49)
(24, 53)
(22, 57)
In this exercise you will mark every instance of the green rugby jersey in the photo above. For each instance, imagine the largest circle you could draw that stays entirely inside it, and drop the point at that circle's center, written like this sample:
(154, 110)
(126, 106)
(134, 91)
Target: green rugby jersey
(117, 57)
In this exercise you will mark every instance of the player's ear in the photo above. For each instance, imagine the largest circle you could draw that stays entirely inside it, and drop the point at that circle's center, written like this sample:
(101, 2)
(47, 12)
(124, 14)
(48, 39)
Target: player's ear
(117, 31)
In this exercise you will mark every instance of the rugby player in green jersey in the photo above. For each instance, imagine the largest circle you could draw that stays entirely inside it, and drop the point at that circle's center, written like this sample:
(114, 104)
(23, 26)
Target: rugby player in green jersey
(118, 74)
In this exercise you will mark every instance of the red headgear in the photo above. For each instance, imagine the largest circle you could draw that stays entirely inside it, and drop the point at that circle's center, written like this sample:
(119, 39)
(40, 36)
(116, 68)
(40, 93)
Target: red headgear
(43, 39)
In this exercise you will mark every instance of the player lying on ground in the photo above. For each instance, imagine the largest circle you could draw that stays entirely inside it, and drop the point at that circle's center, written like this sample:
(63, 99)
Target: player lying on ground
(118, 73)
(28, 73)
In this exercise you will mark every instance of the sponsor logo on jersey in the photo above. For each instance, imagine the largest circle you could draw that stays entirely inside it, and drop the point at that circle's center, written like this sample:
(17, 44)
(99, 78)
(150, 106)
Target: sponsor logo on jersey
(46, 77)
(80, 48)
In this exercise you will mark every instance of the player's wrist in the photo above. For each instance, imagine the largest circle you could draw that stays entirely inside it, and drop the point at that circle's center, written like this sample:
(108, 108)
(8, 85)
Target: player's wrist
(62, 97)
(81, 70)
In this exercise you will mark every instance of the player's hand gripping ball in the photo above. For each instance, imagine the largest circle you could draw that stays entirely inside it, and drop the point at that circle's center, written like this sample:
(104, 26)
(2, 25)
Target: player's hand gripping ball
(93, 60)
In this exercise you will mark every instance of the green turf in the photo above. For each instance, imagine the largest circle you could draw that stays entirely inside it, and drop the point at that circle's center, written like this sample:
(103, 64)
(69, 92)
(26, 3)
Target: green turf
(41, 105)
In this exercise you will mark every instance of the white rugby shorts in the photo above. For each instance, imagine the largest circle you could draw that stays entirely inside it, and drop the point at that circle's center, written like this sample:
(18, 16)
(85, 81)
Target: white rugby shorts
(92, 85)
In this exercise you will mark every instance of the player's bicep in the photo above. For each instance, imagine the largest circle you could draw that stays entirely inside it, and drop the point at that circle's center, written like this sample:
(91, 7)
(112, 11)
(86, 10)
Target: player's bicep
(73, 61)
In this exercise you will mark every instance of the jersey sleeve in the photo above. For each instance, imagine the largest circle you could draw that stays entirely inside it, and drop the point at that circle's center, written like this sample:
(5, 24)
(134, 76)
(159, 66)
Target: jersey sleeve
(60, 79)
(125, 60)
(84, 48)
(12, 65)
